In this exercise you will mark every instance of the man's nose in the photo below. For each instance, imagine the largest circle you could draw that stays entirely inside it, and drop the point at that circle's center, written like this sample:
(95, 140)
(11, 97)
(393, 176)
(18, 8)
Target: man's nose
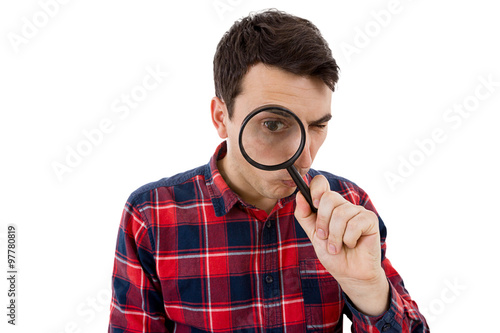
(305, 160)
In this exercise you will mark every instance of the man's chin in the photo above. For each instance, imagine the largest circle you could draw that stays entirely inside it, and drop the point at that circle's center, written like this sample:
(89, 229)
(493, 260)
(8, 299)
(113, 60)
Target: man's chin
(285, 189)
(279, 189)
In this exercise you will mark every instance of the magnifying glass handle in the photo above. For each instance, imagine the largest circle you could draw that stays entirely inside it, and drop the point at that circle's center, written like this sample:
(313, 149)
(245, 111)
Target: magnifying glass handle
(302, 186)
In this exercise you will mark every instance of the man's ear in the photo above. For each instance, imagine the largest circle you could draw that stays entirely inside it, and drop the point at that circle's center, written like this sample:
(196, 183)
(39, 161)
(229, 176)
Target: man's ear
(219, 116)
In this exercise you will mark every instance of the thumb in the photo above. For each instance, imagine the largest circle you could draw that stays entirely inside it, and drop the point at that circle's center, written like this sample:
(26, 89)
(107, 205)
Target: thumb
(305, 216)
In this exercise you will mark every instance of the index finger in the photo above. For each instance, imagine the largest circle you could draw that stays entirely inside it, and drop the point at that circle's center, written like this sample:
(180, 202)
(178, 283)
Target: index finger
(318, 186)
(305, 216)
(326, 201)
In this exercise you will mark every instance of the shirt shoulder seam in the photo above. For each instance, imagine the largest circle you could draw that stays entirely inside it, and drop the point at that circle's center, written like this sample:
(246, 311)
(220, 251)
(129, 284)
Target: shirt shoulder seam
(166, 182)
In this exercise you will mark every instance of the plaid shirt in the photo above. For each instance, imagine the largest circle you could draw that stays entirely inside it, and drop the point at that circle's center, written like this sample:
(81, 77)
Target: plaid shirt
(191, 256)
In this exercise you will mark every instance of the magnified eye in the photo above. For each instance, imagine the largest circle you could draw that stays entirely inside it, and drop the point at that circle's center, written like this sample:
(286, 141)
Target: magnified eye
(274, 125)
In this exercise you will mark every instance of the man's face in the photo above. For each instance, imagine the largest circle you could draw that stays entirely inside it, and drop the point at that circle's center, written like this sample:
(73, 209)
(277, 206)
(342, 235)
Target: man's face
(309, 98)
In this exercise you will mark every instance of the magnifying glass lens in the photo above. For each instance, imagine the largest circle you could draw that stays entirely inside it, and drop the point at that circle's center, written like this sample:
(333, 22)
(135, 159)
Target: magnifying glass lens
(271, 137)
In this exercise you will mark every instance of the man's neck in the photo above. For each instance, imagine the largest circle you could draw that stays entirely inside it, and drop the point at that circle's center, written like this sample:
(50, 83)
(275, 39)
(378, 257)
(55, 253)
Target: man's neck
(244, 190)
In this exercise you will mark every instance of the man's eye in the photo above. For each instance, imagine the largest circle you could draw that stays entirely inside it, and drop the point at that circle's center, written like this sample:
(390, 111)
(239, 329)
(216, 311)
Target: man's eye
(319, 127)
(274, 125)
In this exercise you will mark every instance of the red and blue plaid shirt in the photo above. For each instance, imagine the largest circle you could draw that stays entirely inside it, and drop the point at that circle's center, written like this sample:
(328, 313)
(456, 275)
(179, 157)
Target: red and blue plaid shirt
(191, 256)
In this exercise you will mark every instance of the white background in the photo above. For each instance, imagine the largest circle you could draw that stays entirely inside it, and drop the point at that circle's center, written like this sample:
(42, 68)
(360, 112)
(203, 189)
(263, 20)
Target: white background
(404, 72)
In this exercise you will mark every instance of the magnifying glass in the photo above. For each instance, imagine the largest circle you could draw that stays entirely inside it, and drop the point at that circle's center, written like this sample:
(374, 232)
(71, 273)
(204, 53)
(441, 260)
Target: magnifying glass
(272, 138)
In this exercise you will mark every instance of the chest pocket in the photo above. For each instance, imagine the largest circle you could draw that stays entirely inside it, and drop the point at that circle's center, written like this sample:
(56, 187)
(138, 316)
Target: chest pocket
(323, 300)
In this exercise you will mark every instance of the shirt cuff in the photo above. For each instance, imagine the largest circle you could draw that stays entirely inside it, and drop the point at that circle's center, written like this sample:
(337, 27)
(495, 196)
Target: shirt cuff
(388, 322)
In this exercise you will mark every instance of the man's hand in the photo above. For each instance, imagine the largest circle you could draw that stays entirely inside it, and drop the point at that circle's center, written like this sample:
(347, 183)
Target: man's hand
(346, 239)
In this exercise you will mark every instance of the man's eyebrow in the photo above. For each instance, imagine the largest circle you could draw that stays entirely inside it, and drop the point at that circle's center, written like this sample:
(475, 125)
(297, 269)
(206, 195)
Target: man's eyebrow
(324, 119)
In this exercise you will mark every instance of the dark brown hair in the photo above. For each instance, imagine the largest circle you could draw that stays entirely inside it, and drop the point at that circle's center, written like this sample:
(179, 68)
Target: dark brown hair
(274, 38)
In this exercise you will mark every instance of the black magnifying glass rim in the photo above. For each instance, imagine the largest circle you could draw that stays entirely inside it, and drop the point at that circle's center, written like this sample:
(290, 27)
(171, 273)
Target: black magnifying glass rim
(291, 160)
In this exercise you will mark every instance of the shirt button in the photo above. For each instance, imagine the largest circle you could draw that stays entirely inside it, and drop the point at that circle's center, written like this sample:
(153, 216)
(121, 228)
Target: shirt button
(269, 279)
(268, 224)
(386, 327)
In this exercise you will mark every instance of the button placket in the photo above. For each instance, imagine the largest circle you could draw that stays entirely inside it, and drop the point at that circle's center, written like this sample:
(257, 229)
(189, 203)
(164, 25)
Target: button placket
(270, 279)
(269, 224)
(386, 327)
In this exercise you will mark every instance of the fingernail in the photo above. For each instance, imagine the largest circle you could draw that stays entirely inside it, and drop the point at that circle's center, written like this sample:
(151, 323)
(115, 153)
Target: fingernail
(321, 234)
(332, 248)
(316, 203)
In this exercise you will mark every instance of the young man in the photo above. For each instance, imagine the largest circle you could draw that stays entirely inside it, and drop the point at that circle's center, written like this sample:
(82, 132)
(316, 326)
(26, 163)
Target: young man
(228, 247)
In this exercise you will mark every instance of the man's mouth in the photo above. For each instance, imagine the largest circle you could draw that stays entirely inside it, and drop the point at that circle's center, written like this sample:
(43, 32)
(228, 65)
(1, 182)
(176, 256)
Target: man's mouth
(289, 183)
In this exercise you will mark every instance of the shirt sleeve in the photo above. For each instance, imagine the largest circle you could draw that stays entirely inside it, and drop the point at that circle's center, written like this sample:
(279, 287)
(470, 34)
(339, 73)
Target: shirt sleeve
(137, 303)
(403, 314)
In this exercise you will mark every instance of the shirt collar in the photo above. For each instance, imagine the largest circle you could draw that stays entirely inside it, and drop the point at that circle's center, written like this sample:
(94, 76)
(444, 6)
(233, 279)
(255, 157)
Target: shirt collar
(223, 198)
